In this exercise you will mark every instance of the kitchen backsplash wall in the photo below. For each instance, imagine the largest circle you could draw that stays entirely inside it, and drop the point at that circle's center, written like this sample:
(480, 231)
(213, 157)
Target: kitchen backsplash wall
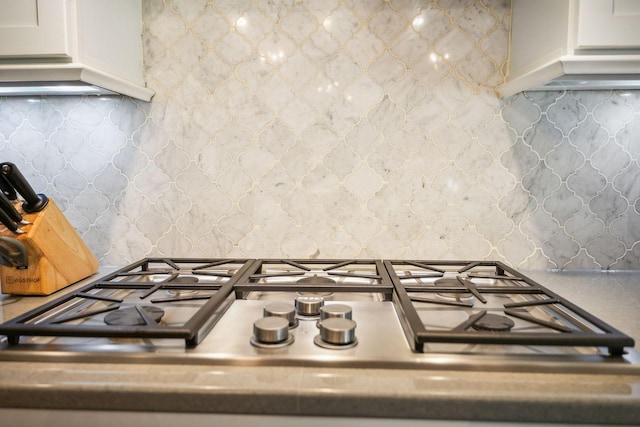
(332, 129)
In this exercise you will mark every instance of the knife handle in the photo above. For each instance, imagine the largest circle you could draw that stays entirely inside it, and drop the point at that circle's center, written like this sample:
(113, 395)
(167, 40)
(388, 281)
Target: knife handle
(15, 252)
(32, 202)
(6, 220)
(7, 206)
(7, 189)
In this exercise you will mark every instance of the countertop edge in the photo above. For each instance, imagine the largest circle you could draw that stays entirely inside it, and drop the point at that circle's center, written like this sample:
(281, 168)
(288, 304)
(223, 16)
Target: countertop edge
(336, 392)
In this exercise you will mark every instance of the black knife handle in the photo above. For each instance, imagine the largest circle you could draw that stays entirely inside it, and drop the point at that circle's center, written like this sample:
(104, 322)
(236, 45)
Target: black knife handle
(6, 205)
(7, 189)
(15, 252)
(32, 202)
(6, 220)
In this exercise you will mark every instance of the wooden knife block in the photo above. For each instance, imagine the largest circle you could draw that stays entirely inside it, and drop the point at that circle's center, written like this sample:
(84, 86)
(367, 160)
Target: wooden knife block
(57, 256)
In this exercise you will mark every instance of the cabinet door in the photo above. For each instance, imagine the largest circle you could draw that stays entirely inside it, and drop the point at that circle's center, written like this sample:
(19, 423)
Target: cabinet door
(33, 29)
(604, 24)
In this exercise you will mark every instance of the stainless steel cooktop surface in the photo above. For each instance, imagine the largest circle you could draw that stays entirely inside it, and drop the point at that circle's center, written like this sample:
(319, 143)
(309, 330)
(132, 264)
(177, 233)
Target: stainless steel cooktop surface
(334, 313)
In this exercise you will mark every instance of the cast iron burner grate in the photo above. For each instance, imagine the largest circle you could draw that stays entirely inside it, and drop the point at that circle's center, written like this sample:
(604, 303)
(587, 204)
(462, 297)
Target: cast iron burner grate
(450, 301)
(316, 276)
(192, 291)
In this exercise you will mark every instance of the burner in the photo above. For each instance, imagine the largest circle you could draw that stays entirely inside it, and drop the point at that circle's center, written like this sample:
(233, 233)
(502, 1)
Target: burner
(130, 316)
(183, 280)
(316, 280)
(493, 322)
(453, 283)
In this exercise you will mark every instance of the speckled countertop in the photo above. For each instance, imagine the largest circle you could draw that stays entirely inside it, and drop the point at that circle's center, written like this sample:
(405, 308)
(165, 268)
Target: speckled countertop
(311, 391)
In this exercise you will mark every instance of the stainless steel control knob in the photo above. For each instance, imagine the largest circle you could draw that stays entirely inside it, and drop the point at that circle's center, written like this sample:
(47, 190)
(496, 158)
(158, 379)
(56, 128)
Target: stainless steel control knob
(286, 311)
(309, 305)
(337, 331)
(339, 311)
(271, 330)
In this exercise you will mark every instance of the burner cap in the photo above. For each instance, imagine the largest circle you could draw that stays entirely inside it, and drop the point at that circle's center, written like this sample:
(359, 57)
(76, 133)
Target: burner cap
(493, 322)
(130, 317)
(316, 280)
(184, 280)
(452, 283)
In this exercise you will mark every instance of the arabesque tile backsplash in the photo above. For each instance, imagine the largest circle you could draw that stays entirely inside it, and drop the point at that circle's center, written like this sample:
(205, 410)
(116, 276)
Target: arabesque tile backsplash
(329, 129)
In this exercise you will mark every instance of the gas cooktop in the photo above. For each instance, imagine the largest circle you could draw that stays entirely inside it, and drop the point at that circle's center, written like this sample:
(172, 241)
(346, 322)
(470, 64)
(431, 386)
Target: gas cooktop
(392, 313)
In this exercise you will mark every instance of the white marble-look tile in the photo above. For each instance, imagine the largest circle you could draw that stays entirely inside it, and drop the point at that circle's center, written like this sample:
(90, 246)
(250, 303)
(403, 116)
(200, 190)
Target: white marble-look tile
(610, 159)
(627, 137)
(521, 113)
(298, 115)
(364, 47)
(543, 137)
(561, 249)
(566, 113)
(26, 141)
(45, 118)
(516, 247)
(431, 21)
(586, 182)
(494, 226)
(608, 204)
(364, 182)
(562, 204)
(626, 182)
(428, 245)
(407, 93)
(429, 205)
(319, 46)
(613, 113)
(49, 161)
(627, 228)
(605, 250)
(517, 204)
(87, 161)
(233, 138)
(364, 93)
(454, 45)
(341, 116)
(584, 226)
(68, 182)
(386, 70)
(540, 226)
(471, 246)
(565, 159)
(342, 23)
(541, 173)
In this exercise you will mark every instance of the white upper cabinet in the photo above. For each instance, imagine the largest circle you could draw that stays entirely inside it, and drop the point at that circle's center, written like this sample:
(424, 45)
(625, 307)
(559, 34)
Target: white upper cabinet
(574, 44)
(608, 24)
(71, 47)
(32, 28)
